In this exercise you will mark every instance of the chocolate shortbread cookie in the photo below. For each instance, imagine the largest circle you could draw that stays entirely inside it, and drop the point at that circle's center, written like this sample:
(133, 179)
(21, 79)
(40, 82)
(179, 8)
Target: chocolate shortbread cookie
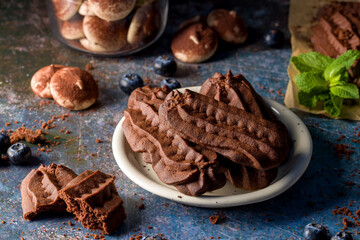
(227, 130)
(173, 159)
(238, 92)
(39, 190)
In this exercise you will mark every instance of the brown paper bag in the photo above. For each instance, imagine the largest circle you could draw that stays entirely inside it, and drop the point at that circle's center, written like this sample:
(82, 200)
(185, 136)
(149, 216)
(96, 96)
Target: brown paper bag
(301, 18)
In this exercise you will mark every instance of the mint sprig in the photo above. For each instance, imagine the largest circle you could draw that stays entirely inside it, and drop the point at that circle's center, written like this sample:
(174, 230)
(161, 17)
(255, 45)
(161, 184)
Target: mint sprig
(323, 79)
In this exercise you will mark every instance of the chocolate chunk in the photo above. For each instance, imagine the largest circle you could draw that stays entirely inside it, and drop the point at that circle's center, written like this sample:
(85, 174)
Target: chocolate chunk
(39, 190)
(229, 131)
(93, 198)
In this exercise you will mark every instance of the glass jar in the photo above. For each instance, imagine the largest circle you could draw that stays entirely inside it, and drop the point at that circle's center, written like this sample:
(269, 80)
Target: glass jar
(108, 27)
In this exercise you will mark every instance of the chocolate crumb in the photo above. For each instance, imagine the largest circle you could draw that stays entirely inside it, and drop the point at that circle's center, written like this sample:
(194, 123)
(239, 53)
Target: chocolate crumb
(347, 223)
(214, 219)
(89, 67)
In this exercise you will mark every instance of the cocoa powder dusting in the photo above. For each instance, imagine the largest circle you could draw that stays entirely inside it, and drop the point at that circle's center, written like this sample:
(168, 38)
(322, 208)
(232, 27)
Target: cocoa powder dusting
(200, 33)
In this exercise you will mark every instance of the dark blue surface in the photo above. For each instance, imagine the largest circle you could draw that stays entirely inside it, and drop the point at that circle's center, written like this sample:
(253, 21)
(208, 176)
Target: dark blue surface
(27, 45)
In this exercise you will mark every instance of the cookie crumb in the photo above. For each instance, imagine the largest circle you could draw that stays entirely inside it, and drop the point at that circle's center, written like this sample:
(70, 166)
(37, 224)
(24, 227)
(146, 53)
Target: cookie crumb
(89, 67)
(214, 219)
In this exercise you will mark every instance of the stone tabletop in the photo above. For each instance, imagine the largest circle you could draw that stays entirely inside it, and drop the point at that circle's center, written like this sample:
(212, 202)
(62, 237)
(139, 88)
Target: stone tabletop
(26, 44)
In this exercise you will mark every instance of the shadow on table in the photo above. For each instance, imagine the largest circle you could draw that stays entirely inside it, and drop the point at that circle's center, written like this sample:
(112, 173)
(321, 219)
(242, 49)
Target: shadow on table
(321, 187)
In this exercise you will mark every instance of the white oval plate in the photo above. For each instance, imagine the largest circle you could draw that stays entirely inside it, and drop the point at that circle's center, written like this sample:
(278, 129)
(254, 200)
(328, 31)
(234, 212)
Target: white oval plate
(289, 172)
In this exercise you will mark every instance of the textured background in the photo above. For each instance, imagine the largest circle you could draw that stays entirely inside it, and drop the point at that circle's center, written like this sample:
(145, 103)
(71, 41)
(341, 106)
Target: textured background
(26, 44)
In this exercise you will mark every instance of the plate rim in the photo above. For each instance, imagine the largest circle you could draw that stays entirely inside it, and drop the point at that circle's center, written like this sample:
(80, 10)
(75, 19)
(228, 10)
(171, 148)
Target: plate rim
(273, 190)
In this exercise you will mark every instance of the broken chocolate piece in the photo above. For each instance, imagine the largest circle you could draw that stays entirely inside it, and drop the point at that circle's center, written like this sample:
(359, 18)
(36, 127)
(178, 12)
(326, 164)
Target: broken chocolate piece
(39, 190)
(93, 198)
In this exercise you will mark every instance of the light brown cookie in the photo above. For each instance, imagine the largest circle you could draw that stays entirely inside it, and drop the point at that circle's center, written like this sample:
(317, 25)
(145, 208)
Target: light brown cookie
(85, 9)
(66, 9)
(40, 81)
(228, 25)
(144, 24)
(194, 43)
(103, 35)
(112, 10)
(73, 28)
(74, 88)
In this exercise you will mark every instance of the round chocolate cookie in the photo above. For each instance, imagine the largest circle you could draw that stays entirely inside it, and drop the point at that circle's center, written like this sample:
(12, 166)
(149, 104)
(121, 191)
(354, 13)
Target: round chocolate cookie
(103, 35)
(74, 88)
(194, 43)
(112, 10)
(40, 82)
(66, 9)
(228, 25)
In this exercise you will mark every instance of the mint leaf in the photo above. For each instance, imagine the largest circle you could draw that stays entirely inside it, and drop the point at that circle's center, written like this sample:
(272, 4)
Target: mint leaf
(346, 91)
(323, 96)
(311, 82)
(333, 105)
(342, 63)
(312, 61)
(340, 80)
(307, 99)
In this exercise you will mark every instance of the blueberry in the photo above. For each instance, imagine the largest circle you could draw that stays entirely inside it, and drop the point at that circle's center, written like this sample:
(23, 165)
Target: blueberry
(4, 142)
(19, 153)
(153, 237)
(274, 38)
(165, 66)
(314, 231)
(171, 83)
(129, 82)
(342, 236)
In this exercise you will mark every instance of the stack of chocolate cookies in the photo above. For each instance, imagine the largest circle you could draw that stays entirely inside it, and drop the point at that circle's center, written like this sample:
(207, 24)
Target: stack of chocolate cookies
(195, 141)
